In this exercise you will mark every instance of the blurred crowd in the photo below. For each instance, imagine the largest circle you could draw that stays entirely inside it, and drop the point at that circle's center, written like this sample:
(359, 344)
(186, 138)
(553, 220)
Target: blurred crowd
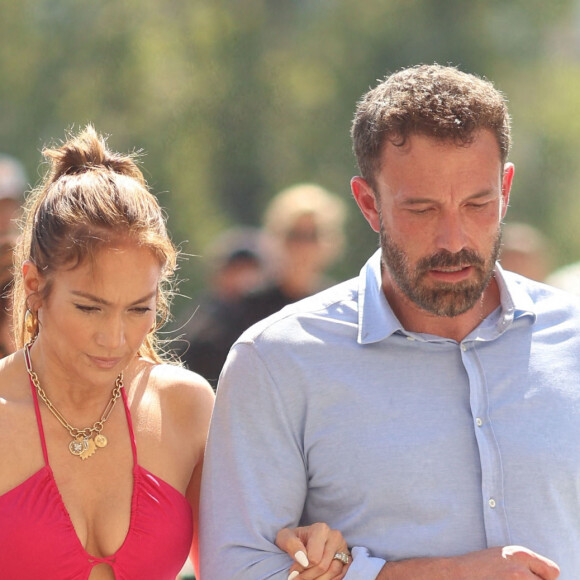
(252, 273)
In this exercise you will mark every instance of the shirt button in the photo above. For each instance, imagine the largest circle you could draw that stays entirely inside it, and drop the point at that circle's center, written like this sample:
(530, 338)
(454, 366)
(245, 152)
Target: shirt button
(479, 422)
(410, 338)
(491, 503)
(463, 347)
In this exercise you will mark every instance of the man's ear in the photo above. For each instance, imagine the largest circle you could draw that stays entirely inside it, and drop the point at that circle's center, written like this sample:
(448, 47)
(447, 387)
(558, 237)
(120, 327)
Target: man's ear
(367, 201)
(506, 186)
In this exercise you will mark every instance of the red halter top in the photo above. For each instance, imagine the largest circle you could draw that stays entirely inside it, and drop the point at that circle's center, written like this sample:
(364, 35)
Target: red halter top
(38, 540)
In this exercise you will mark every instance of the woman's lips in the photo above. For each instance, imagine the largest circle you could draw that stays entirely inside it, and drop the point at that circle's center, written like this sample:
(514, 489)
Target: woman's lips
(105, 362)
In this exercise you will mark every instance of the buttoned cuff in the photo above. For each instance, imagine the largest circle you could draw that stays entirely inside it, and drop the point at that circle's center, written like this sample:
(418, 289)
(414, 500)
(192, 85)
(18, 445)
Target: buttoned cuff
(364, 566)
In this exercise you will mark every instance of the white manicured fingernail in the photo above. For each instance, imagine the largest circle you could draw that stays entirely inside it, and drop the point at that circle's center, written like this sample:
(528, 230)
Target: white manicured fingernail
(301, 558)
(293, 575)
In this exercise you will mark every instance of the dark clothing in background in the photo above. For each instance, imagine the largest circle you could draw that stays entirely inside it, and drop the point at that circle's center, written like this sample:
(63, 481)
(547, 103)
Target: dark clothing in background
(217, 324)
(208, 336)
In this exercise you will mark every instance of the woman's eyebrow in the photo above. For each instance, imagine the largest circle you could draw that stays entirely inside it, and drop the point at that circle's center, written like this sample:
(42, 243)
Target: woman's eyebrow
(104, 302)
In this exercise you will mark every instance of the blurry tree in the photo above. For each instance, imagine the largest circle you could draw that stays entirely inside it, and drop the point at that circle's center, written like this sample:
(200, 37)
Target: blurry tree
(234, 100)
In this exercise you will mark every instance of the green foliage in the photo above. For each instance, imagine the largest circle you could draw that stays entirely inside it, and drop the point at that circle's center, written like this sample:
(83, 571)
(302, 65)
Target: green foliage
(233, 101)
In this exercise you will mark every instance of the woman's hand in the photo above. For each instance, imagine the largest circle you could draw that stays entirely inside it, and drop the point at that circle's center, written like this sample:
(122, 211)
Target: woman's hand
(313, 548)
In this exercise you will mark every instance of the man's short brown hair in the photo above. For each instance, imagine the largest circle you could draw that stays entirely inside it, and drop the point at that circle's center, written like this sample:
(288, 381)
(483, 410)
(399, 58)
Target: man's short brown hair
(432, 100)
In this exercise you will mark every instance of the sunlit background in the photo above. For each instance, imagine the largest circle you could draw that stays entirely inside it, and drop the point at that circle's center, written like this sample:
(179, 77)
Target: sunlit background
(234, 100)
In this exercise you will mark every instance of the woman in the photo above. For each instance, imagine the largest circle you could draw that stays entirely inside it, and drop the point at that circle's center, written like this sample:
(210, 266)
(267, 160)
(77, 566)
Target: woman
(102, 443)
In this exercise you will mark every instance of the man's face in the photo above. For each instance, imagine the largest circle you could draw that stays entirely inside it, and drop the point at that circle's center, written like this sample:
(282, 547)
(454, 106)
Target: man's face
(438, 208)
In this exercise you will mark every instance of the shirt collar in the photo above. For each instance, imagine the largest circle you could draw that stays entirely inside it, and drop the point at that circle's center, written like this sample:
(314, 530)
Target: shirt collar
(377, 321)
(515, 300)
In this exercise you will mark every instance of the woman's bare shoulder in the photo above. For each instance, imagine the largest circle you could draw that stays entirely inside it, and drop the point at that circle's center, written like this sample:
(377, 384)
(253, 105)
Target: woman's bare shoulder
(172, 376)
(169, 395)
(183, 389)
(12, 373)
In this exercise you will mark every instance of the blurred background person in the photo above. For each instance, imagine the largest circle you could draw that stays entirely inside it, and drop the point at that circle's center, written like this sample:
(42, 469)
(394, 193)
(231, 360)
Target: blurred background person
(566, 278)
(13, 183)
(303, 234)
(526, 251)
(235, 263)
(304, 225)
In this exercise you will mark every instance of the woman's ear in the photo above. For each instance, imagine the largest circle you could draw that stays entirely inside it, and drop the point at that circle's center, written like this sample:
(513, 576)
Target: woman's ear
(33, 281)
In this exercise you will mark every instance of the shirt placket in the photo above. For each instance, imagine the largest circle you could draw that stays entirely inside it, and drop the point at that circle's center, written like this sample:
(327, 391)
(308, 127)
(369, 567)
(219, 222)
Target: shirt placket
(492, 478)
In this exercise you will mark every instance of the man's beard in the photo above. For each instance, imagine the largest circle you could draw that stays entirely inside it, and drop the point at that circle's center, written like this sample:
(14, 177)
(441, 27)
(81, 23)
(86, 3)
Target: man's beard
(440, 298)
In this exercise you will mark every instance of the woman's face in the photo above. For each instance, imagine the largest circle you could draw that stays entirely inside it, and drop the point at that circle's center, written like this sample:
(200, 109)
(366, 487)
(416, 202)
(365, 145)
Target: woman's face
(97, 315)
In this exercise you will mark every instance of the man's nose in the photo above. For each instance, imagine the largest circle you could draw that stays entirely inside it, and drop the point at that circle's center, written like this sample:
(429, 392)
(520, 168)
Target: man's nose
(451, 234)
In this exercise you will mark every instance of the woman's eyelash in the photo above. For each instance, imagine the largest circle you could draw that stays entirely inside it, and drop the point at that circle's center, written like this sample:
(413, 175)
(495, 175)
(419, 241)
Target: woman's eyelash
(85, 308)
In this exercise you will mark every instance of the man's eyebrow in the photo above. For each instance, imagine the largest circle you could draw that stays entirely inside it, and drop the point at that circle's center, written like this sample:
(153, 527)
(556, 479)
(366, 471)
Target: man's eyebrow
(484, 193)
(420, 200)
(104, 302)
(417, 200)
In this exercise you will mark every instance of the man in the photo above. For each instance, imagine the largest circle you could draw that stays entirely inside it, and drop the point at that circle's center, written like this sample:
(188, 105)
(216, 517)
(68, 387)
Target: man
(430, 409)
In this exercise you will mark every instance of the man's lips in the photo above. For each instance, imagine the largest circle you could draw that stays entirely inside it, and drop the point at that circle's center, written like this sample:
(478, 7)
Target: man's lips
(451, 273)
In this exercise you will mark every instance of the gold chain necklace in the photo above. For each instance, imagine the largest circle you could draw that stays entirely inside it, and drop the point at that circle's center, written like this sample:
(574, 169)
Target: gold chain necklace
(82, 445)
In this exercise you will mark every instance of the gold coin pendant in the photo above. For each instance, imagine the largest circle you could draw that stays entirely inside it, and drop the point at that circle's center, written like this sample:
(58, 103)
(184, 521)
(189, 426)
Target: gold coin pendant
(101, 440)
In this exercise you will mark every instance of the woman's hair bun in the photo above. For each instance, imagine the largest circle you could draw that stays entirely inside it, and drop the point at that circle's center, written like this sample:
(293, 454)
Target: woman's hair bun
(87, 151)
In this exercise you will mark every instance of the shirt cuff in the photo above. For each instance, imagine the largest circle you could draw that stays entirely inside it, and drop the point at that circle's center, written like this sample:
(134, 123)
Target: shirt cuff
(364, 566)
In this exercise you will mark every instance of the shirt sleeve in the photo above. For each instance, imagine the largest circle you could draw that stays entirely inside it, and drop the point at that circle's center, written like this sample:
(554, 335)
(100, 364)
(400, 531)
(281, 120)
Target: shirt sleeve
(364, 566)
(254, 476)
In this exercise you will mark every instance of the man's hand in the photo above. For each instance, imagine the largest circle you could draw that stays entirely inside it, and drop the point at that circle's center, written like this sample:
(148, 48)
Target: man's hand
(507, 563)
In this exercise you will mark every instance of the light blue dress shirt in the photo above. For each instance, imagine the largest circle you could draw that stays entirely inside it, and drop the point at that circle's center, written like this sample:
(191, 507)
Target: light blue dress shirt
(410, 444)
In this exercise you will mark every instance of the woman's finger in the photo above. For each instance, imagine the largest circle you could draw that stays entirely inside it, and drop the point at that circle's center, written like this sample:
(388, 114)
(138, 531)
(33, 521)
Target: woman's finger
(289, 541)
(328, 566)
(316, 542)
(335, 544)
(336, 571)
(314, 549)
